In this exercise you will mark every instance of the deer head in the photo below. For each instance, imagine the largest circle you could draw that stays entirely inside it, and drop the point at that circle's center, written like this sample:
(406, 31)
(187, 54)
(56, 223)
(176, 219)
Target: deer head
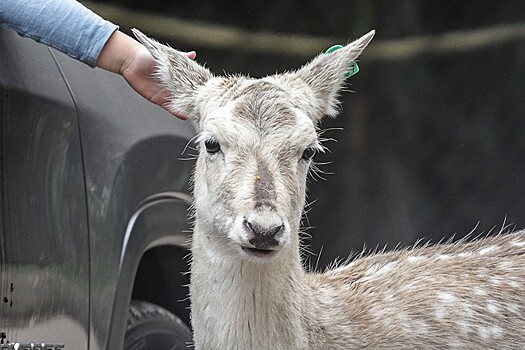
(256, 139)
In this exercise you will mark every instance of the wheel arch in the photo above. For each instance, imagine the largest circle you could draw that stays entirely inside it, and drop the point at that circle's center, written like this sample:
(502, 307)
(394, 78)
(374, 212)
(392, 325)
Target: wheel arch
(159, 225)
(162, 278)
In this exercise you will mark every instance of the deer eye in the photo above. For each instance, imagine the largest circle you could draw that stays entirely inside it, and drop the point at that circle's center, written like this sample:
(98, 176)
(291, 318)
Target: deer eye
(308, 153)
(212, 146)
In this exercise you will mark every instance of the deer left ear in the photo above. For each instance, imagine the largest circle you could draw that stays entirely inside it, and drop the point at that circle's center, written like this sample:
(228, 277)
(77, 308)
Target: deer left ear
(326, 74)
(180, 74)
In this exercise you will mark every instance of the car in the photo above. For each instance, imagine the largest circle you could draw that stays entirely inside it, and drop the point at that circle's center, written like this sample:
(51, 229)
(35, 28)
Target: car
(94, 208)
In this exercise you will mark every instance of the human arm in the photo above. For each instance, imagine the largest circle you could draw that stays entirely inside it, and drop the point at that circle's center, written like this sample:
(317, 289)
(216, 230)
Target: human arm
(68, 26)
(65, 25)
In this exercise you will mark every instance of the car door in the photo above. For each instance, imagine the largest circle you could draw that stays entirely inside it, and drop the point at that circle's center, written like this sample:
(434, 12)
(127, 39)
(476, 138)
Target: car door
(44, 247)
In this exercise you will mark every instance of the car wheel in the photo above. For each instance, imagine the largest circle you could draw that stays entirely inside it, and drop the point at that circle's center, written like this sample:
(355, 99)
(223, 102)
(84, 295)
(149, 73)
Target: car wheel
(150, 326)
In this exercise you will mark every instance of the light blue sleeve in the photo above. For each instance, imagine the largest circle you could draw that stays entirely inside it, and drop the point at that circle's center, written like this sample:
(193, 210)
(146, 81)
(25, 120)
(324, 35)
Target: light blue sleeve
(66, 25)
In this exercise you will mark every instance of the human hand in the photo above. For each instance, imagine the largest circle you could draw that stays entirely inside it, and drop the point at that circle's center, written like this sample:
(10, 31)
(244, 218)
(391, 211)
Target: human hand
(126, 56)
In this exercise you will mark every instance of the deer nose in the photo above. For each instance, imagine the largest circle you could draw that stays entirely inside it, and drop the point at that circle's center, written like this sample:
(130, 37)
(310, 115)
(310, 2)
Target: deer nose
(262, 237)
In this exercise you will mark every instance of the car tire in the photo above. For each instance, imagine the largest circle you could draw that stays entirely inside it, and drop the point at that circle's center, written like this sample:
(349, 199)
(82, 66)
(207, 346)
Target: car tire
(150, 326)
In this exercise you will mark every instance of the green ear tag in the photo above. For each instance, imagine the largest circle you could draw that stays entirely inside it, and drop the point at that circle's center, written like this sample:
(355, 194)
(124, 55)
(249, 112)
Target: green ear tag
(353, 69)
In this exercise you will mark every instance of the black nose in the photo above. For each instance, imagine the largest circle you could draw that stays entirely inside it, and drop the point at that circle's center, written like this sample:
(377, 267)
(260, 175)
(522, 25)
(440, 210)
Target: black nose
(263, 237)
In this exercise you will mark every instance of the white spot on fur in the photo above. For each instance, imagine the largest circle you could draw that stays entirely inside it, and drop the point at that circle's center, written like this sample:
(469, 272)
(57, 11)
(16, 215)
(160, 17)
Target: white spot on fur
(513, 284)
(415, 258)
(495, 280)
(446, 297)
(497, 332)
(480, 291)
(484, 333)
(379, 269)
(440, 312)
(371, 269)
(514, 308)
(487, 250)
(389, 297)
(376, 313)
(404, 320)
(492, 307)
(421, 326)
(454, 344)
(505, 265)
(388, 267)
(518, 243)
(464, 255)
(491, 332)
(463, 326)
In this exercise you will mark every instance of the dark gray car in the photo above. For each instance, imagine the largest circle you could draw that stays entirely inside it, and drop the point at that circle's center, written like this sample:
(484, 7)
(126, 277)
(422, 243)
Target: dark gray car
(94, 199)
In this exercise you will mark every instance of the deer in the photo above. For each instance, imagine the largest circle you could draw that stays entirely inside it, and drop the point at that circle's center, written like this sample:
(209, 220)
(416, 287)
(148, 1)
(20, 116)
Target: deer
(249, 289)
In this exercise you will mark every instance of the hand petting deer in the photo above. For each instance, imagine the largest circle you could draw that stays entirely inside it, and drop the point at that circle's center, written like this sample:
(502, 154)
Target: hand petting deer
(249, 289)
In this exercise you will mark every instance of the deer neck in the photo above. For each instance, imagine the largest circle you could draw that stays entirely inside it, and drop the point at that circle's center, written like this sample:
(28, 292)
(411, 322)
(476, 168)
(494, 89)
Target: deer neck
(237, 304)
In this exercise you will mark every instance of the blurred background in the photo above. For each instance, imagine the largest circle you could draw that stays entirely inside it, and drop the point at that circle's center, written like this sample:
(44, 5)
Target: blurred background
(432, 142)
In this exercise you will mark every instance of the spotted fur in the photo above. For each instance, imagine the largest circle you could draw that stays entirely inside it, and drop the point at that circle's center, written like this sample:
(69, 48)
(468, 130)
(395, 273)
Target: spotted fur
(248, 286)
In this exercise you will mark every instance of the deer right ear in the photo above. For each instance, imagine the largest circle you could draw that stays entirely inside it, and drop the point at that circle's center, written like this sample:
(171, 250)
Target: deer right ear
(326, 75)
(180, 74)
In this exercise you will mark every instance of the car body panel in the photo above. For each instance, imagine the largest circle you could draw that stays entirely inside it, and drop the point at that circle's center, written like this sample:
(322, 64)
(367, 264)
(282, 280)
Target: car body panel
(45, 256)
(86, 162)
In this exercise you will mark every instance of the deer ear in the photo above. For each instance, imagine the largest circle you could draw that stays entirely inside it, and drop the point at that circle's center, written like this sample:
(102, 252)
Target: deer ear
(326, 74)
(180, 74)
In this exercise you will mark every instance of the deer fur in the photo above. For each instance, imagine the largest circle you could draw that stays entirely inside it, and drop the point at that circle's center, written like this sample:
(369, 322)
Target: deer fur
(249, 289)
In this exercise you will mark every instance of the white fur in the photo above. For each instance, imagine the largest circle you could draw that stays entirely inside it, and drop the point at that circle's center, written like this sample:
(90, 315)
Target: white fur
(249, 293)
